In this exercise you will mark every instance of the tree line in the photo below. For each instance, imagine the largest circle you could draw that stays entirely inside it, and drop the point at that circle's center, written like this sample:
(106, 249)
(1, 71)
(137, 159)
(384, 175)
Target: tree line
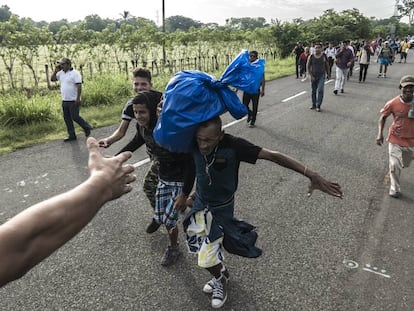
(25, 43)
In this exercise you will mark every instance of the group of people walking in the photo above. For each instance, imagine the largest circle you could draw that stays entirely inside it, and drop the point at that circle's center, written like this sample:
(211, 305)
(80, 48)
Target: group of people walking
(203, 180)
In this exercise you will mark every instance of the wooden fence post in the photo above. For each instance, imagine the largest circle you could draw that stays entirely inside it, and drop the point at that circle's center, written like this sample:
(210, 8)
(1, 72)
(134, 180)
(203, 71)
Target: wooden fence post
(47, 76)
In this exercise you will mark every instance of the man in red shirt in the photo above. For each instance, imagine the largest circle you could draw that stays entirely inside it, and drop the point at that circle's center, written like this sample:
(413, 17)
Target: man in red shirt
(401, 132)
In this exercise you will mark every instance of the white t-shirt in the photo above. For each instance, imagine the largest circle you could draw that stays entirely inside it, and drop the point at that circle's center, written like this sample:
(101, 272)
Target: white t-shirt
(68, 81)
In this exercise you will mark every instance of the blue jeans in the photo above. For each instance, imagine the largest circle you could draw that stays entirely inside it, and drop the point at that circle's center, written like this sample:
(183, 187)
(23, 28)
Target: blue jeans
(318, 86)
(70, 114)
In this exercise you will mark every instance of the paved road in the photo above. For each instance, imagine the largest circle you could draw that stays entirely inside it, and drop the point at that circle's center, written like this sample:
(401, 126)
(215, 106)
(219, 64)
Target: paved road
(320, 253)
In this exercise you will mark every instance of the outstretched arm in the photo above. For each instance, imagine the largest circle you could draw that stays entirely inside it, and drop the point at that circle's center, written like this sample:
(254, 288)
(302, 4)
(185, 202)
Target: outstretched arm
(35, 233)
(115, 136)
(381, 123)
(317, 181)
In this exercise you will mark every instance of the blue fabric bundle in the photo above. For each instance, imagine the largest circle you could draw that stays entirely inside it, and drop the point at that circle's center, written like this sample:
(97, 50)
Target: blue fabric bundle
(192, 97)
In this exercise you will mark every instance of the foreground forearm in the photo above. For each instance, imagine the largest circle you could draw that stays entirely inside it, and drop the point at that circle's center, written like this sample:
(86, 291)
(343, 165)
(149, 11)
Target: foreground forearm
(38, 231)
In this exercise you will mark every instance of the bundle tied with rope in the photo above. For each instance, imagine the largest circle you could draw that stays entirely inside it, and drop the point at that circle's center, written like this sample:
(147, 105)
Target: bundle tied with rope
(192, 97)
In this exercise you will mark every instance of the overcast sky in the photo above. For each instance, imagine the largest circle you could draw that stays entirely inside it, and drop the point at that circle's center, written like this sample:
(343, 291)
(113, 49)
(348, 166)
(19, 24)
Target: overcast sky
(204, 11)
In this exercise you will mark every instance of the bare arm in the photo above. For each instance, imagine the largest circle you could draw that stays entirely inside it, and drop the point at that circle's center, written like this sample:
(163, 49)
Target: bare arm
(262, 86)
(117, 135)
(308, 67)
(78, 93)
(53, 77)
(381, 123)
(35, 233)
(317, 181)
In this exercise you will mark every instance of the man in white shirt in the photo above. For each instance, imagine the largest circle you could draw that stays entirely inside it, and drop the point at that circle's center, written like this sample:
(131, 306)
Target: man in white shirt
(71, 89)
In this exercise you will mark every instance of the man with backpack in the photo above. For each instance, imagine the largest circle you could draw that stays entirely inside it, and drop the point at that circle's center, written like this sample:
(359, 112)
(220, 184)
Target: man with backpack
(317, 67)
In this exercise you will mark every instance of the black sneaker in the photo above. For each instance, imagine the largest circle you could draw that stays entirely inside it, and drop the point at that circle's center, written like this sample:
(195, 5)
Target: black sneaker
(219, 296)
(336, 92)
(87, 132)
(171, 255)
(342, 90)
(153, 226)
(69, 139)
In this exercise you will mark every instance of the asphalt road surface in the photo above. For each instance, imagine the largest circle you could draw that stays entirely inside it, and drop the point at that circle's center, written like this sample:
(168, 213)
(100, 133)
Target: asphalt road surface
(319, 253)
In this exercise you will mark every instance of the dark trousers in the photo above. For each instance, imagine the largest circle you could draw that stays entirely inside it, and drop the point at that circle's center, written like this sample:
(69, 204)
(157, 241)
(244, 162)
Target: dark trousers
(331, 62)
(363, 68)
(70, 114)
(254, 98)
(297, 64)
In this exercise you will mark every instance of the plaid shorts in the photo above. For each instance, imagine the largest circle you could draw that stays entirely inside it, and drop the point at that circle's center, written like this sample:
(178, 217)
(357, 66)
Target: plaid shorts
(166, 193)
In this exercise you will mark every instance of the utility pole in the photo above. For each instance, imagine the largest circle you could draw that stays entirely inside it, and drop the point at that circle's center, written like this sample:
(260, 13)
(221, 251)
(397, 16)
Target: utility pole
(397, 2)
(163, 30)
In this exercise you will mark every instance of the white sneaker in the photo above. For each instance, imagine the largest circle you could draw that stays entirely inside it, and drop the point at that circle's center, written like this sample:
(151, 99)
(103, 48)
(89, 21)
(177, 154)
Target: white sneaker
(219, 296)
(394, 194)
(209, 286)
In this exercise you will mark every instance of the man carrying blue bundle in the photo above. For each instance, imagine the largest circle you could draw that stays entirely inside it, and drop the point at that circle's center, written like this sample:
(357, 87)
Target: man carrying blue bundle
(210, 225)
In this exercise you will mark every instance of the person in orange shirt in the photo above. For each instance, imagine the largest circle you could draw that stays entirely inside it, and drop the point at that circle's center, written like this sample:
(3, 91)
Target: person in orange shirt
(401, 132)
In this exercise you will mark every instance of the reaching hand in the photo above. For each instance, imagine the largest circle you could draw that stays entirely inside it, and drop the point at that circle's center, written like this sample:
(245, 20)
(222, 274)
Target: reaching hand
(380, 140)
(110, 173)
(320, 183)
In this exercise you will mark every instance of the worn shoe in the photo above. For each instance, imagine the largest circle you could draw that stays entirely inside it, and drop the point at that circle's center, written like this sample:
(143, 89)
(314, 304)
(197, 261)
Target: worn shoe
(312, 107)
(335, 92)
(251, 125)
(318, 109)
(342, 90)
(219, 296)
(171, 255)
(69, 139)
(87, 132)
(249, 118)
(209, 286)
(394, 194)
(153, 226)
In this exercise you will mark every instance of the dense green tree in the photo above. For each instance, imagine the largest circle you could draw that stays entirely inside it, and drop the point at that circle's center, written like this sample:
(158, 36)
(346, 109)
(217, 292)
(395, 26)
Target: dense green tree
(286, 35)
(246, 22)
(179, 22)
(94, 22)
(5, 13)
(54, 27)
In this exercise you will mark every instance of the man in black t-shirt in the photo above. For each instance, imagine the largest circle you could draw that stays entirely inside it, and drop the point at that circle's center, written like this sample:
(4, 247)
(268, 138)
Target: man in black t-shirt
(210, 225)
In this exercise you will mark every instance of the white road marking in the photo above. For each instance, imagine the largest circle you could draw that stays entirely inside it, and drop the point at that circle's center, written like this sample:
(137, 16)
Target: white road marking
(294, 96)
(376, 272)
(354, 265)
(140, 163)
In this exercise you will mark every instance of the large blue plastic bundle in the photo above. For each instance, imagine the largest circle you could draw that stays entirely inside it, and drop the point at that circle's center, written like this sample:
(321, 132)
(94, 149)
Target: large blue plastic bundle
(192, 97)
